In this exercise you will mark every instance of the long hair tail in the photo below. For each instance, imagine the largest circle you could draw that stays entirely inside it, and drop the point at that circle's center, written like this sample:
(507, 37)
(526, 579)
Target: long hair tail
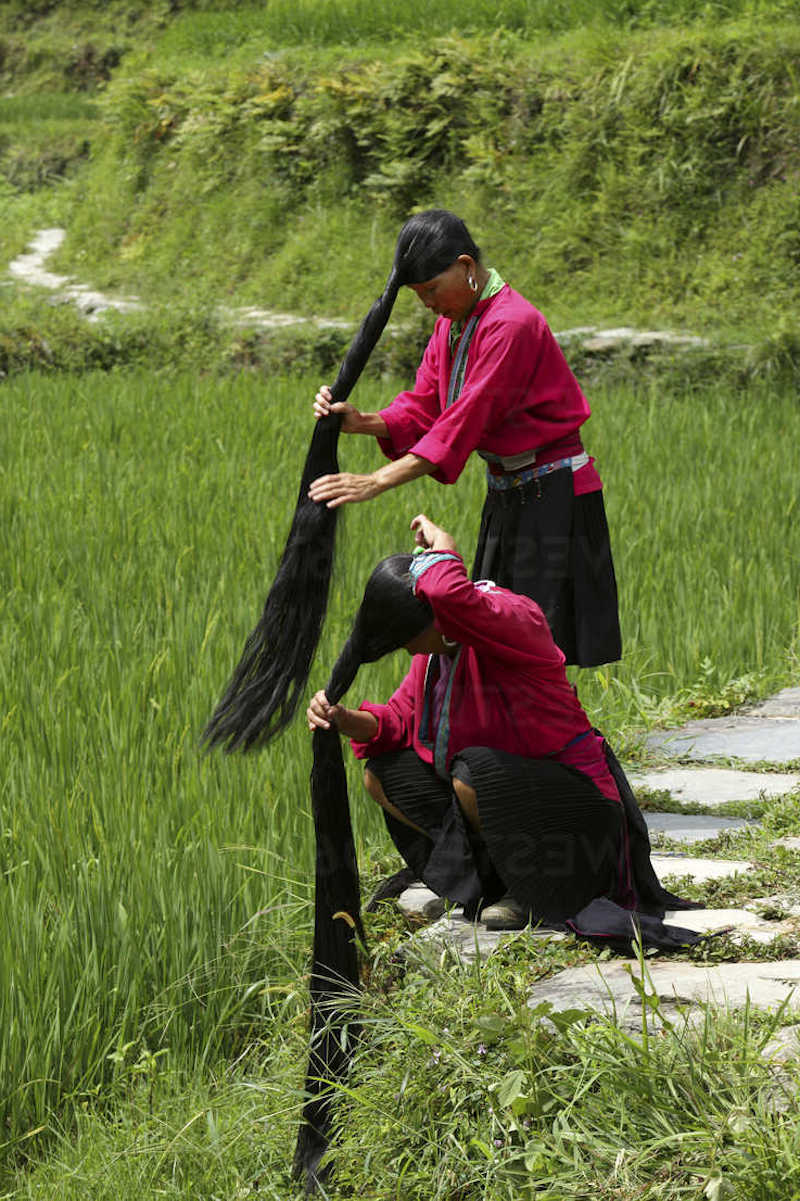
(337, 931)
(264, 690)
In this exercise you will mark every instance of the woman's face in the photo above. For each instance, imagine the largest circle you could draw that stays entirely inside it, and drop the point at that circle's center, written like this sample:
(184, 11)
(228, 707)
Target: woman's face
(449, 294)
(429, 642)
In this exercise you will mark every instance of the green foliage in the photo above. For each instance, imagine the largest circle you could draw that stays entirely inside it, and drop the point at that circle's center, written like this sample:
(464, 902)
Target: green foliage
(464, 1090)
(635, 173)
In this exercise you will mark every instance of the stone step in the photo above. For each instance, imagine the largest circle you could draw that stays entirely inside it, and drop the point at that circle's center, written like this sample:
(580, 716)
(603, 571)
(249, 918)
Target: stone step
(714, 786)
(751, 737)
(693, 827)
(608, 988)
(700, 870)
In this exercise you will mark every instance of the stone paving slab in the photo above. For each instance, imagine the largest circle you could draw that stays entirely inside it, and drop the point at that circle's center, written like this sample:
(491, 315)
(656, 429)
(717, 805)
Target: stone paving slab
(471, 940)
(791, 843)
(693, 827)
(699, 869)
(609, 989)
(413, 901)
(741, 921)
(746, 736)
(784, 704)
(712, 786)
(749, 737)
(787, 904)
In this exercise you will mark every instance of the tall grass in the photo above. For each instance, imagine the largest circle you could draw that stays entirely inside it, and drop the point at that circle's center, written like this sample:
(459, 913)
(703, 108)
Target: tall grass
(210, 32)
(155, 900)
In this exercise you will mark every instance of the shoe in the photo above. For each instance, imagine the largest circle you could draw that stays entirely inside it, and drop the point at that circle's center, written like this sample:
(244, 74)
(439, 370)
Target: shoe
(505, 914)
(434, 909)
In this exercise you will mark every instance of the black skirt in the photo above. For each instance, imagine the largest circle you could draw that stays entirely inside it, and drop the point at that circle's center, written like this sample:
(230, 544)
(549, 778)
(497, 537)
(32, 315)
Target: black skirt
(543, 541)
(548, 835)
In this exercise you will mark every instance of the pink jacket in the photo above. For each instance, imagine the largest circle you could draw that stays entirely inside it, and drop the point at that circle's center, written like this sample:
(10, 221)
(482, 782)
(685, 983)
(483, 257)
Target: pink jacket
(509, 690)
(518, 395)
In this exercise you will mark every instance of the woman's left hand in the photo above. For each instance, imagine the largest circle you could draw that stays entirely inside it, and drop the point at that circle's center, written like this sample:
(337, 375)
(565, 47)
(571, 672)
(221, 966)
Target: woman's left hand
(344, 488)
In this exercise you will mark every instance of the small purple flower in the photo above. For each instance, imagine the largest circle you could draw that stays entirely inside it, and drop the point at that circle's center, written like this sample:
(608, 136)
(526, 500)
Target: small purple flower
(436, 1055)
(498, 1142)
(481, 1048)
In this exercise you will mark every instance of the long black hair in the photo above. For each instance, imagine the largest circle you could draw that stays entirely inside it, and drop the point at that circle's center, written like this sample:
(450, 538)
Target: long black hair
(272, 673)
(389, 617)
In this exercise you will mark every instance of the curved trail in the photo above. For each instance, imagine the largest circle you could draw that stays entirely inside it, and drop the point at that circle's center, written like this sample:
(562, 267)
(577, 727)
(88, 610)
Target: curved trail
(30, 268)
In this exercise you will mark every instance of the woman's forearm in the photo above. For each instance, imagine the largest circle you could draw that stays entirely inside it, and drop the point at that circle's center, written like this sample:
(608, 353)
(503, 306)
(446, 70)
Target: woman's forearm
(346, 488)
(357, 723)
(369, 423)
(410, 467)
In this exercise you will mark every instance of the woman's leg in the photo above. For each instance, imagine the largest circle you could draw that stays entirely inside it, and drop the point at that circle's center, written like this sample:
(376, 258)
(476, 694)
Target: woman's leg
(375, 790)
(553, 837)
(426, 824)
(468, 800)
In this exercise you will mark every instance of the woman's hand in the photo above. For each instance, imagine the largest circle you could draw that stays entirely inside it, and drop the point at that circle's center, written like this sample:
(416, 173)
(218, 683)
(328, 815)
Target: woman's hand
(344, 488)
(430, 535)
(355, 723)
(321, 715)
(324, 404)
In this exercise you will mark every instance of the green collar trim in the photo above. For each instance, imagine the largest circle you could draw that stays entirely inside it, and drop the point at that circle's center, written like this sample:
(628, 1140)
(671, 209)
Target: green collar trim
(493, 285)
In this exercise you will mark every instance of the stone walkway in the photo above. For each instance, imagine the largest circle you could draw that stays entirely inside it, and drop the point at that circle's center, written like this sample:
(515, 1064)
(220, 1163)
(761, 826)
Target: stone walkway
(767, 734)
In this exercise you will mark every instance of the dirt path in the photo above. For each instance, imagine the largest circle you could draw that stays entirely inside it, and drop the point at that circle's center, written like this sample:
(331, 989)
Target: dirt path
(30, 268)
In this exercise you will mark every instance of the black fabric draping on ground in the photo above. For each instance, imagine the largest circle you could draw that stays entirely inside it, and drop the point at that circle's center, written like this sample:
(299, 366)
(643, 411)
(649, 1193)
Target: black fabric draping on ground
(548, 837)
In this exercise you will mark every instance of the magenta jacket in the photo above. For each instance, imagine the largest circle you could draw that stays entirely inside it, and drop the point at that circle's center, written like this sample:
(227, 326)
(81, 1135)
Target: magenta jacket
(507, 689)
(518, 395)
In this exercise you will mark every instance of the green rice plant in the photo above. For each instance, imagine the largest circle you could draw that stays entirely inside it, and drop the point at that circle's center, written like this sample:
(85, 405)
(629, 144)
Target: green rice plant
(206, 30)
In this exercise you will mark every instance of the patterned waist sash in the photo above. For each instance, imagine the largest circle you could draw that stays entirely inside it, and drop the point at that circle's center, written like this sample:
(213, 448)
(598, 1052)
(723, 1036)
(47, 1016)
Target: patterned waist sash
(516, 479)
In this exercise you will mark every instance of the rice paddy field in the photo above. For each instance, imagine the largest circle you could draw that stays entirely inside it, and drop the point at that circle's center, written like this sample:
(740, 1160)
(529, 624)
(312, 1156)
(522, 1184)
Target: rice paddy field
(155, 902)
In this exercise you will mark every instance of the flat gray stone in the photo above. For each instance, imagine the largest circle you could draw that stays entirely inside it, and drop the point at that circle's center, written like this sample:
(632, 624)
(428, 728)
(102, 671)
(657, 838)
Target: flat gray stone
(413, 901)
(712, 786)
(700, 870)
(790, 843)
(471, 940)
(748, 737)
(608, 989)
(786, 904)
(784, 1045)
(784, 704)
(738, 921)
(693, 827)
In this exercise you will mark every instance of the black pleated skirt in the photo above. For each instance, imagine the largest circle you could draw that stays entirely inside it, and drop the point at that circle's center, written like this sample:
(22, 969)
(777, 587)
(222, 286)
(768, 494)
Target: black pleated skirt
(548, 835)
(543, 541)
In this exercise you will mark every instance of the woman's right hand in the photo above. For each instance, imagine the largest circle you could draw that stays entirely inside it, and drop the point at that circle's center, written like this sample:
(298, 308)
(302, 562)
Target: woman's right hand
(324, 404)
(321, 715)
(431, 536)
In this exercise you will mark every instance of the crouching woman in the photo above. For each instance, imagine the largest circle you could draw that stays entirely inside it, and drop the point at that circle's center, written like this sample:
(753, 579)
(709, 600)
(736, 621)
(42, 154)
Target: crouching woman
(495, 788)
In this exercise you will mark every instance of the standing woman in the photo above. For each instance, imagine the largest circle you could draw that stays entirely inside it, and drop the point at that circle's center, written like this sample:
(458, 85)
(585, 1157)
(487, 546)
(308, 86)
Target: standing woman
(493, 379)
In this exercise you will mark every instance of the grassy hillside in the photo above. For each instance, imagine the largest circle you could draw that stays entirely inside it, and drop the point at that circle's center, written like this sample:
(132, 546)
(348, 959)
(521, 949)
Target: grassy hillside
(634, 168)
